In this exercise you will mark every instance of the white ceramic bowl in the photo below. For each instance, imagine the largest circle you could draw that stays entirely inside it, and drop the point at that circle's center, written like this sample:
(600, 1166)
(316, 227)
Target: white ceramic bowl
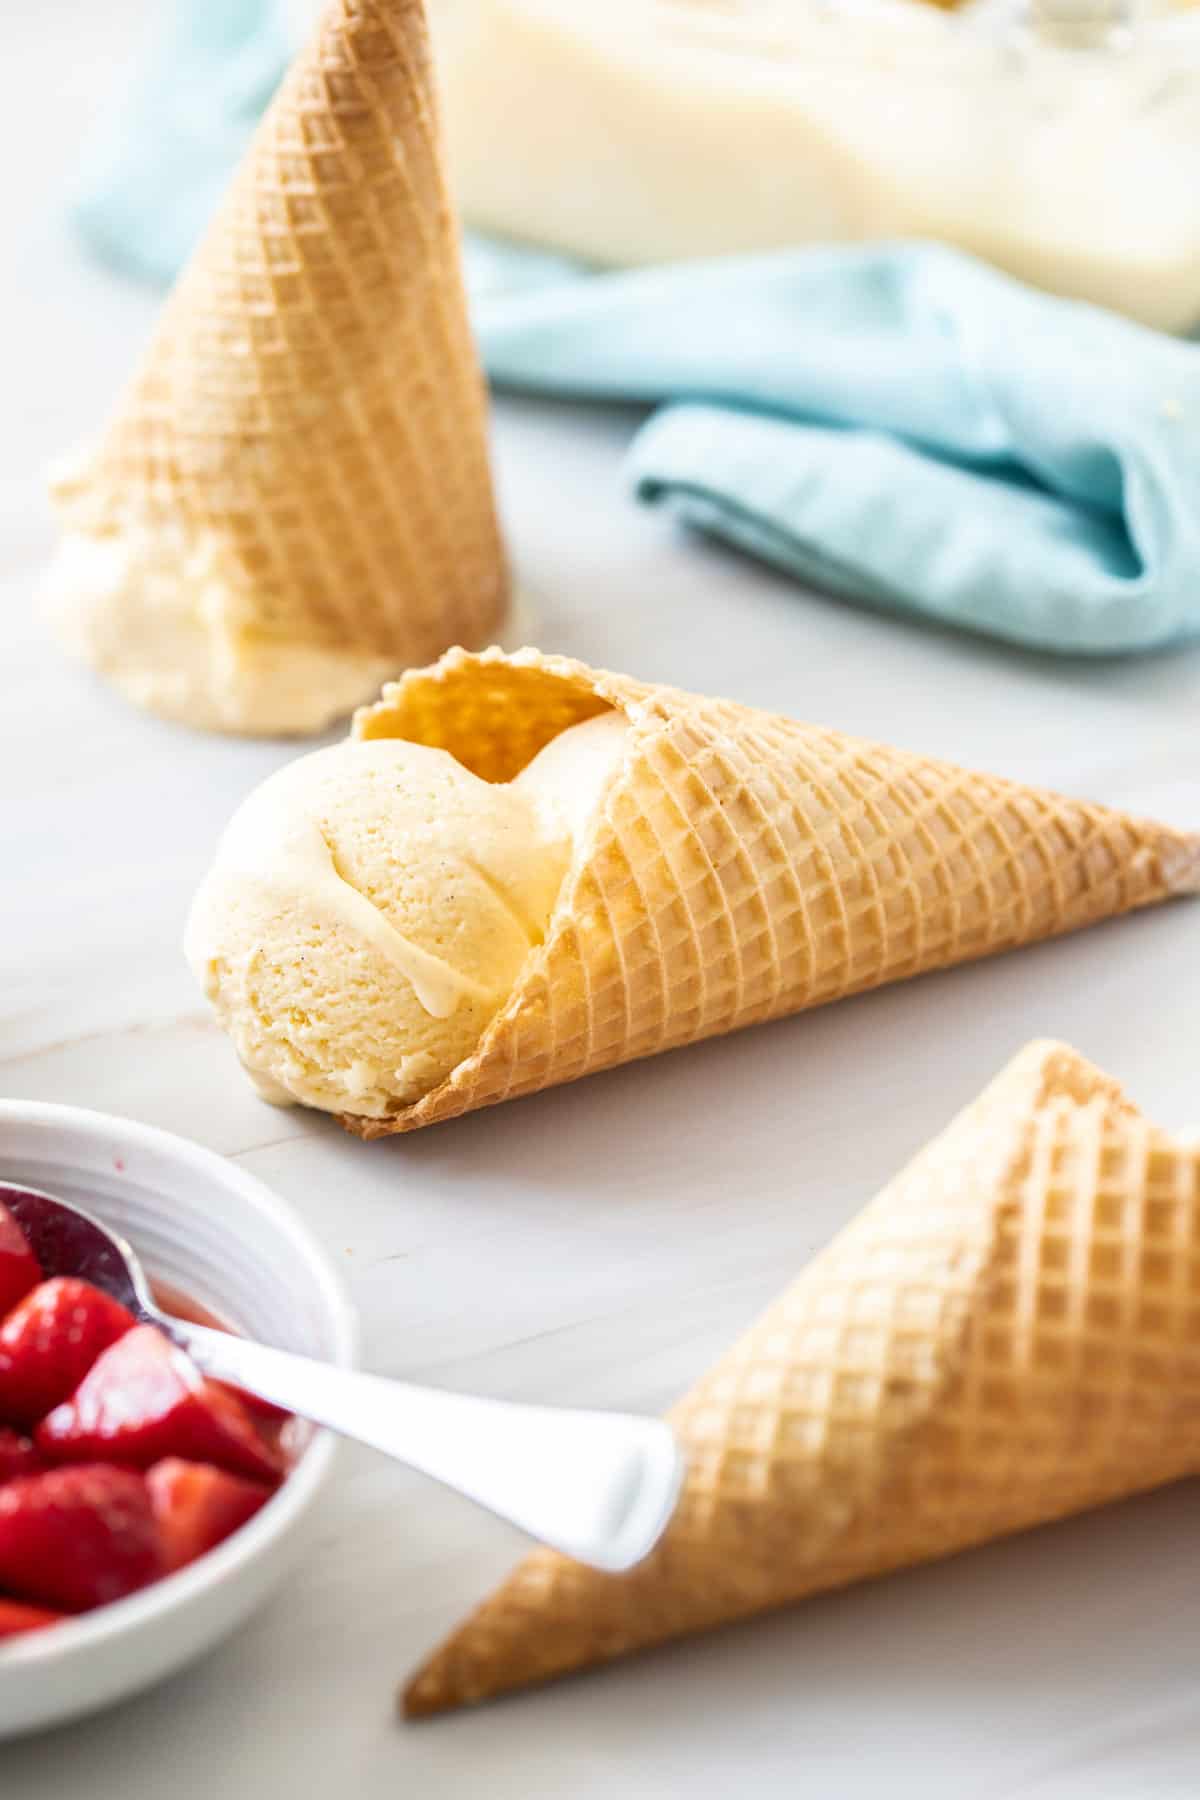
(222, 1238)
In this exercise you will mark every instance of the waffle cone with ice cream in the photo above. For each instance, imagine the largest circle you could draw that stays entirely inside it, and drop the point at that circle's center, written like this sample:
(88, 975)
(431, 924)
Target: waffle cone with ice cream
(742, 866)
(1007, 1334)
(293, 500)
(521, 870)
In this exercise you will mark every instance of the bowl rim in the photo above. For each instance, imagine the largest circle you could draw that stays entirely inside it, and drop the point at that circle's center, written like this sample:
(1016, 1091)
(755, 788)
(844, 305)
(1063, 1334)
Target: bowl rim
(120, 1619)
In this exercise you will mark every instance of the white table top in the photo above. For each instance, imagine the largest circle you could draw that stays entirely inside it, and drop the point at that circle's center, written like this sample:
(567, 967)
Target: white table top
(598, 1244)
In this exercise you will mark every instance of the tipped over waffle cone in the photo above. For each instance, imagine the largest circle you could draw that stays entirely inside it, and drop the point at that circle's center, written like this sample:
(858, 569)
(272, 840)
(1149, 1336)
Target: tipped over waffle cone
(744, 866)
(294, 498)
(1009, 1333)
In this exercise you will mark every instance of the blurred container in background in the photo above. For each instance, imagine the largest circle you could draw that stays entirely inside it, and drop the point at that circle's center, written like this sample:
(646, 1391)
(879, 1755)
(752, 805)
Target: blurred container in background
(1063, 146)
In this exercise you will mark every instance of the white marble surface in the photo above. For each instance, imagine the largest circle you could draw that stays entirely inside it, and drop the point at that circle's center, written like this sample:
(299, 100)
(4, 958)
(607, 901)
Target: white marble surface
(601, 1243)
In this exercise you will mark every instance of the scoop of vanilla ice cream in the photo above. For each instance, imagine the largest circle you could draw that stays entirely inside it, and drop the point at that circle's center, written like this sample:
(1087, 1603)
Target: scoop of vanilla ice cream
(569, 774)
(371, 907)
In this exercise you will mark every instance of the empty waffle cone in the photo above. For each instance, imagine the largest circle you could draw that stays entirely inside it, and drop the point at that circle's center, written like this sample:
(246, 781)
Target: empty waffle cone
(294, 499)
(1009, 1333)
(744, 866)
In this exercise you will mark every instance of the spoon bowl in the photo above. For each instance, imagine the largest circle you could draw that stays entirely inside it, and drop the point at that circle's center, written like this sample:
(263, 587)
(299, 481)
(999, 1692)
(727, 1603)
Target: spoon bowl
(68, 1241)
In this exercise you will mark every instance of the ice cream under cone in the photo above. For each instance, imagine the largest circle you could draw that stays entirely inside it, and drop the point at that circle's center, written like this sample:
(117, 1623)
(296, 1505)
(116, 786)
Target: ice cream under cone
(1009, 1333)
(717, 866)
(293, 500)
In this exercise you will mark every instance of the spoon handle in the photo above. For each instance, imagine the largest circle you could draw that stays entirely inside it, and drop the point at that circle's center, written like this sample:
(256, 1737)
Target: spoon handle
(599, 1486)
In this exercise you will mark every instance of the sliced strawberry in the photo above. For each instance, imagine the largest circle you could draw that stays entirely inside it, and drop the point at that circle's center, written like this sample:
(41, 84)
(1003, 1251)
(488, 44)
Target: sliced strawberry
(16, 1618)
(143, 1400)
(182, 1306)
(17, 1455)
(77, 1538)
(49, 1342)
(19, 1267)
(264, 1410)
(198, 1506)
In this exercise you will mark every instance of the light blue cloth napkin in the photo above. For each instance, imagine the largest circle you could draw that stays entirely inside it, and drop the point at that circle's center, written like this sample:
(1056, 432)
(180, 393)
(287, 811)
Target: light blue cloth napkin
(164, 156)
(900, 425)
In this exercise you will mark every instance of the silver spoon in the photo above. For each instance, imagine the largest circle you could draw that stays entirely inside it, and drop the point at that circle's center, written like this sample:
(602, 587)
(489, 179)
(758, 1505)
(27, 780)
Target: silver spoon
(599, 1486)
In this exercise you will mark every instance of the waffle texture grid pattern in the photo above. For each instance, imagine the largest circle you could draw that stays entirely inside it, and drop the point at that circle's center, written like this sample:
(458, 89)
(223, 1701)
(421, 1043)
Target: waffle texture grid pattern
(308, 426)
(745, 866)
(1007, 1334)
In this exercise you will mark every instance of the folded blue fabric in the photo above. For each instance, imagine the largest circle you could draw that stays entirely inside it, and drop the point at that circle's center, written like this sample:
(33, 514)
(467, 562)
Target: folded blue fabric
(900, 425)
(903, 425)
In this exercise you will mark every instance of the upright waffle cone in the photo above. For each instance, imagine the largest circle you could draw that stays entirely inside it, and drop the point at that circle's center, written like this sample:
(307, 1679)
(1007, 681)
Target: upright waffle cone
(745, 866)
(294, 498)
(1009, 1333)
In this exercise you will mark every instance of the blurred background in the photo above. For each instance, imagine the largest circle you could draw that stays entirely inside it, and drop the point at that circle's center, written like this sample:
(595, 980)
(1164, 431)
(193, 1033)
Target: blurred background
(733, 201)
(1058, 138)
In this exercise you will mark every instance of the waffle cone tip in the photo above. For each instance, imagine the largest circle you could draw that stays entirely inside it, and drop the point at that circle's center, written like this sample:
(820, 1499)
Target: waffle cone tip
(1004, 1336)
(1182, 866)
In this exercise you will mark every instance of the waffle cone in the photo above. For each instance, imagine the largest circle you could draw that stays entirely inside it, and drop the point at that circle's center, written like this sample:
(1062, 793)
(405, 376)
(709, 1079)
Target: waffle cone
(302, 455)
(1009, 1333)
(745, 866)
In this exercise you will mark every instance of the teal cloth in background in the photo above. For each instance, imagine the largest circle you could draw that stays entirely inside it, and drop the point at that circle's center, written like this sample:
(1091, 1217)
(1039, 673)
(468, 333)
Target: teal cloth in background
(900, 424)
(164, 156)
